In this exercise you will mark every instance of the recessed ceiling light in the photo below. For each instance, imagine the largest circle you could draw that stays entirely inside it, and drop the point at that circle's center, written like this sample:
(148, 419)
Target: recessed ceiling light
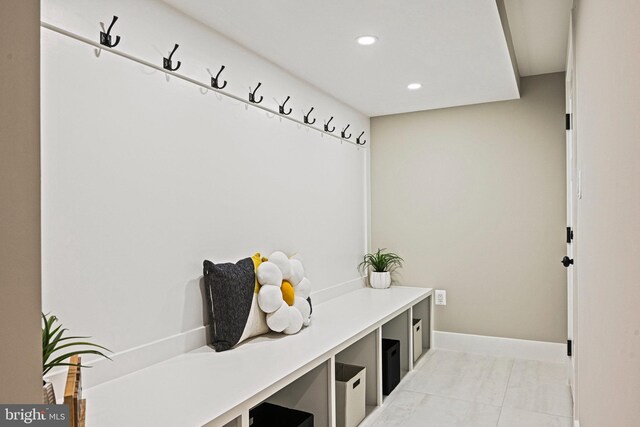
(367, 40)
(414, 86)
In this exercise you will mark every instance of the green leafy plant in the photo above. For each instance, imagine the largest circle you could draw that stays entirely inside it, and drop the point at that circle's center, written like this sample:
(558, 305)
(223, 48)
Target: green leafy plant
(53, 341)
(380, 261)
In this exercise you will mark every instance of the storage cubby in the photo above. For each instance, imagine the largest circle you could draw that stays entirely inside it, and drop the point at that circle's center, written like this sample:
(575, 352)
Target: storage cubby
(399, 328)
(268, 415)
(309, 393)
(364, 352)
(236, 422)
(351, 391)
(422, 311)
(417, 339)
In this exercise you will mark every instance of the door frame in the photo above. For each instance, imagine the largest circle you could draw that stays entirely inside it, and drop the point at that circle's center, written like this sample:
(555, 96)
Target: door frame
(573, 195)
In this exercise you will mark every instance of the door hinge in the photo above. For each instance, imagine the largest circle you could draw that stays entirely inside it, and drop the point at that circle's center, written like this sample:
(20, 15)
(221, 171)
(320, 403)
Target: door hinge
(567, 121)
(569, 349)
(569, 234)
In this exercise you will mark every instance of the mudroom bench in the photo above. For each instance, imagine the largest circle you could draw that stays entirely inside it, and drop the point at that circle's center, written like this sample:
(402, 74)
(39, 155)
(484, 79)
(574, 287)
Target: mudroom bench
(205, 388)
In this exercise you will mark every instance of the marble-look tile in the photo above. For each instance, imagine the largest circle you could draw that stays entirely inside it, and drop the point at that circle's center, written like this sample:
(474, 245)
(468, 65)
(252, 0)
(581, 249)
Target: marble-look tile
(398, 409)
(465, 376)
(518, 418)
(539, 387)
(532, 371)
(424, 358)
(438, 411)
(466, 390)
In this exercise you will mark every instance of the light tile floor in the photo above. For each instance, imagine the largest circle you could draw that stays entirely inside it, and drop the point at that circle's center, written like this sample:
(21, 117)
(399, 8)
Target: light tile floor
(450, 389)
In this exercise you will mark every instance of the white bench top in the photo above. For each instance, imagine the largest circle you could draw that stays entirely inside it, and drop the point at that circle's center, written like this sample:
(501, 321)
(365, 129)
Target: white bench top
(197, 387)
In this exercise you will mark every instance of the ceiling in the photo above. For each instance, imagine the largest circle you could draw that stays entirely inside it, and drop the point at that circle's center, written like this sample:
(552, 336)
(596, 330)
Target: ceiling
(455, 48)
(539, 30)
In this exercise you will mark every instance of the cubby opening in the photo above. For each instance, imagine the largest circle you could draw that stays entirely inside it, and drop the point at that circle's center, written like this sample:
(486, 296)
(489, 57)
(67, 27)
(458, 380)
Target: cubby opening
(236, 422)
(422, 311)
(309, 393)
(364, 352)
(399, 328)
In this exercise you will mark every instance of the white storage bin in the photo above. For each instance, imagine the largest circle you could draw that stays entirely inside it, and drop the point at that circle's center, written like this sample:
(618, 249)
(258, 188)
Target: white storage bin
(350, 394)
(417, 339)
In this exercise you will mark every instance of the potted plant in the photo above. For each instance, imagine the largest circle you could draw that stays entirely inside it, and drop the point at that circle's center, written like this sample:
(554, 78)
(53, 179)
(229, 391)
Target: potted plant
(379, 265)
(53, 341)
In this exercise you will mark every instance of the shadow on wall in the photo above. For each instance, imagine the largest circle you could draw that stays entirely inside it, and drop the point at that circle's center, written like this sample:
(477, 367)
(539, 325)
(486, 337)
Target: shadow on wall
(194, 290)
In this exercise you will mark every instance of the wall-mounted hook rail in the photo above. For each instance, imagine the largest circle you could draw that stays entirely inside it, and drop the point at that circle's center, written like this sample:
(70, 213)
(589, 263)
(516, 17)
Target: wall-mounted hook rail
(167, 64)
(252, 95)
(281, 107)
(215, 80)
(326, 126)
(185, 78)
(105, 38)
(358, 139)
(344, 133)
(306, 118)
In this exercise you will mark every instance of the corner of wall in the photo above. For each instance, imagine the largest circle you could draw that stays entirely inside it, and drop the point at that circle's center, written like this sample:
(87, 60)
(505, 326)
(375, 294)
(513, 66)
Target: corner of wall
(507, 35)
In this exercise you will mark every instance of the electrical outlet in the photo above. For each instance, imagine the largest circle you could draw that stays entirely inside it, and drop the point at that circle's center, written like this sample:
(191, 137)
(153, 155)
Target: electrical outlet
(441, 297)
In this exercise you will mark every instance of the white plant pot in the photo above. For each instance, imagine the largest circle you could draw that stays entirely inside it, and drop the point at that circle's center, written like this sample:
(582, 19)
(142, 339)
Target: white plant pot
(379, 280)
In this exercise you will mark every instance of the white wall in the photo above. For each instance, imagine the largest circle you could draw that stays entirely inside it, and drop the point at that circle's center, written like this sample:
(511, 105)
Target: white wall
(144, 176)
(473, 198)
(608, 228)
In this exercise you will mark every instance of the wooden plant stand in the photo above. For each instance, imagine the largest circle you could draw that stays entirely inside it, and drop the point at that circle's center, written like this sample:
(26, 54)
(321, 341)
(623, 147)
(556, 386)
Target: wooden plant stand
(73, 394)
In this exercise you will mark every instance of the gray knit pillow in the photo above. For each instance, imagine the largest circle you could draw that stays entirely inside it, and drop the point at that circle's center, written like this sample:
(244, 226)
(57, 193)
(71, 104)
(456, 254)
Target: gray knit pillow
(232, 303)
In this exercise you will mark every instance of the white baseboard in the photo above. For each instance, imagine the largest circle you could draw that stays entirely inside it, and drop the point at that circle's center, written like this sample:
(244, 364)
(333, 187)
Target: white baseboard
(131, 360)
(501, 347)
(323, 295)
(576, 423)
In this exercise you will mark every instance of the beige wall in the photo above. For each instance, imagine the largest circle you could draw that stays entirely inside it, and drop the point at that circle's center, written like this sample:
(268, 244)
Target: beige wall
(20, 333)
(474, 199)
(608, 230)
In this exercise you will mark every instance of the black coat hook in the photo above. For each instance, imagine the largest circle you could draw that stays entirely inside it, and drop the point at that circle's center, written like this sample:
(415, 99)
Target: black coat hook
(252, 95)
(105, 38)
(326, 126)
(306, 118)
(281, 107)
(214, 80)
(167, 64)
(358, 139)
(344, 133)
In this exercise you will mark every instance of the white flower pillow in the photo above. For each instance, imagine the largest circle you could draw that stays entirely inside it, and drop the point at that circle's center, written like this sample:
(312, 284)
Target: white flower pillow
(284, 293)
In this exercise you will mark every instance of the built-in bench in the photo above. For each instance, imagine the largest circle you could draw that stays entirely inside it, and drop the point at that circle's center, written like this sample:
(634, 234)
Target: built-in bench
(203, 387)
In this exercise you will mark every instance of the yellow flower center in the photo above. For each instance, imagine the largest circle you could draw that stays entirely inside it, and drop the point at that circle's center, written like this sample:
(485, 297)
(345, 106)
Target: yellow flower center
(288, 293)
